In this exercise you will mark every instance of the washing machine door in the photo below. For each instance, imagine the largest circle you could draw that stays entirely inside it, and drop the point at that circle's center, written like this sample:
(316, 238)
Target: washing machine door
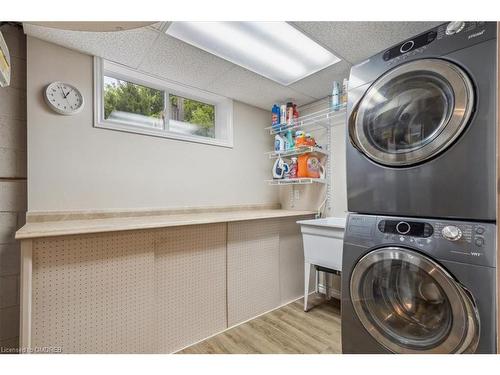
(412, 113)
(410, 304)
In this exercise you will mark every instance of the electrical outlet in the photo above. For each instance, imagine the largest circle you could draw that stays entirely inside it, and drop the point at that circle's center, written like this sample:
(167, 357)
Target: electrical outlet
(296, 195)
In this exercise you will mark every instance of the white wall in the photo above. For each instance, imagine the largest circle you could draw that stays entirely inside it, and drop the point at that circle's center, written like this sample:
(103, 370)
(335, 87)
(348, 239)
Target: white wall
(74, 166)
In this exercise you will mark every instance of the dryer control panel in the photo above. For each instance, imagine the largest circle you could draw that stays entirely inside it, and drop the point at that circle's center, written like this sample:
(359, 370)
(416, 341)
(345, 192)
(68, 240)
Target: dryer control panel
(419, 44)
(438, 42)
(410, 47)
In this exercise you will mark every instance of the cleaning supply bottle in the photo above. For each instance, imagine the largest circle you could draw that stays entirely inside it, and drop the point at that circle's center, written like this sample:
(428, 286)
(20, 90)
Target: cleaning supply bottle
(275, 117)
(295, 113)
(283, 115)
(309, 140)
(289, 113)
(302, 165)
(335, 100)
(279, 143)
(345, 85)
(292, 173)
(280, 168)
(300, 138)
(314, 168)
(309, 165)
(290, 144)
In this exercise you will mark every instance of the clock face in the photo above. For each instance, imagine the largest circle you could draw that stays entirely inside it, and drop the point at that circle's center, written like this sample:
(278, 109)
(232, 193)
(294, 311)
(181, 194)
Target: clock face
(64, 98)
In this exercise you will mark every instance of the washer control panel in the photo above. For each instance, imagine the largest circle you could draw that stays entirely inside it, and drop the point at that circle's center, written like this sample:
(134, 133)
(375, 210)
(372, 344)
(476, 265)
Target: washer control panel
(410, 228)
(451, 232)
(458, 241)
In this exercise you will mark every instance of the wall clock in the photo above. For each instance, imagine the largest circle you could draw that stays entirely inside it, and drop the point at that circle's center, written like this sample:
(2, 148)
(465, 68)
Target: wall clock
(63, 98)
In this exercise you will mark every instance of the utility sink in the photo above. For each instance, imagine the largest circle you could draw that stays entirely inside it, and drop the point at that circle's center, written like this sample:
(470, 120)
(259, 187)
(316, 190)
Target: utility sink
(323, 241)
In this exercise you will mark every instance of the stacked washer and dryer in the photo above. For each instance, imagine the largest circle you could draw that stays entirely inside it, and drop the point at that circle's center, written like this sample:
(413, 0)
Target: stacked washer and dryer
(419, 251)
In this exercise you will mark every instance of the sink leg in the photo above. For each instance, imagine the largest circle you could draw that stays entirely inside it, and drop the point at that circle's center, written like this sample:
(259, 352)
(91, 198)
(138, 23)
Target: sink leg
(316, 279)
(307, 276)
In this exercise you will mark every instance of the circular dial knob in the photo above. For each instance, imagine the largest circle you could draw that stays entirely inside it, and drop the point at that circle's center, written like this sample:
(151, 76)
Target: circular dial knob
(403, 227)
(454, 27)
(452, 233)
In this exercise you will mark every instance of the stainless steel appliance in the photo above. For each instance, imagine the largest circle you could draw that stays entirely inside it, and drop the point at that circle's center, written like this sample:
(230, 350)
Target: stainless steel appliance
(422, 120)
(412, 285)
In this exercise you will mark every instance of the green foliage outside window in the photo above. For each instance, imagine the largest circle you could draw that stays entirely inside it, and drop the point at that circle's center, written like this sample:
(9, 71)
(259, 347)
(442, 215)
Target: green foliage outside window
(132, 98)
(129, 97)
(194, 112)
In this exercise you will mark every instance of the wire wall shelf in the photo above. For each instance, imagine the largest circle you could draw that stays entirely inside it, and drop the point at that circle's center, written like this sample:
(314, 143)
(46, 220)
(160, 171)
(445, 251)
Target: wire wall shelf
(297, 151)
(324, 118)
(297, 181)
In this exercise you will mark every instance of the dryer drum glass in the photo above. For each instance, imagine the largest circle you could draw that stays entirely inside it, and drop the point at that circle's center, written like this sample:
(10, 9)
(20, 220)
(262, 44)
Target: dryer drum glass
(409, 112)
(412, 113)
(410, 304)
(407, 305)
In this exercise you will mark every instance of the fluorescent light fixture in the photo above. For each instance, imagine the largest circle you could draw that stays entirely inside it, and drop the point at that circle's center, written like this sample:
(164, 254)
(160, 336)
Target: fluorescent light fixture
(275, 50)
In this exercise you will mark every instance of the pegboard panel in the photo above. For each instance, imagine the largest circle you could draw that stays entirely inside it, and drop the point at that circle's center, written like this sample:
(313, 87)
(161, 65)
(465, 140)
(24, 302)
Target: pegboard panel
(94, 293)
(291, 259)
(190, 277)
(253, 268)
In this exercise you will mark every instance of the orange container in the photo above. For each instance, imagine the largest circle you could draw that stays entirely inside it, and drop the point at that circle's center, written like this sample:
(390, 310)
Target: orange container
(309, 166)
(310, 141)
(302, 165)
(300, 139)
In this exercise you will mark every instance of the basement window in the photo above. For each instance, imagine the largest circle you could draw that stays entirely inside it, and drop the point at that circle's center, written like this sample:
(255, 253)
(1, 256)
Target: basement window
(127, 103)
(132, 101)
(190, 116)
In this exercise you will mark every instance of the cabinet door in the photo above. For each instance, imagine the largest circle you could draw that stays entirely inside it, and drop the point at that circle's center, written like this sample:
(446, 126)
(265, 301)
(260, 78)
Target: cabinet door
(292, 260)
(252, 269)
(94, 293)
(190, 278)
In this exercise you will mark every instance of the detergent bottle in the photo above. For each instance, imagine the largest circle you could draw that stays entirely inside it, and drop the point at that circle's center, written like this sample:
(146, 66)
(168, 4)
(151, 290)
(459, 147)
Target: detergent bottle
(335, 98)
(279, 143)
(292, 173)
(300, 138)
(310, 166)
(275, 118)
(289, 142)
(280, 168)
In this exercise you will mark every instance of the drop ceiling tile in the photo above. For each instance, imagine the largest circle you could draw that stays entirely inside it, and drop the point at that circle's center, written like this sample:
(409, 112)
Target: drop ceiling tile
(125, 47)
(356, 41)
(251, 88)
(319, 84)
(178, 61)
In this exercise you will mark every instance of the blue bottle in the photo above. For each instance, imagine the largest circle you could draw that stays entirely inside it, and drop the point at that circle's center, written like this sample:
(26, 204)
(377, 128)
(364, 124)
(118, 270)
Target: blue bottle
(275, 117)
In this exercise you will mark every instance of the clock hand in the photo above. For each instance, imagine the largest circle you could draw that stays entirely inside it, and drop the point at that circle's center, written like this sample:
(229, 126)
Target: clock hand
(64, 95)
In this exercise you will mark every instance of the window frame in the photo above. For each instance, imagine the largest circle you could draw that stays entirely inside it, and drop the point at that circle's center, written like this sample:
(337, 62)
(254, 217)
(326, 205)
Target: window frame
(223, 106)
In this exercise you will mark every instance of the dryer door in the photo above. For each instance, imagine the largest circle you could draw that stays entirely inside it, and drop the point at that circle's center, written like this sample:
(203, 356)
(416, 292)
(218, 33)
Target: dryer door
(410, 304)
(412, 113)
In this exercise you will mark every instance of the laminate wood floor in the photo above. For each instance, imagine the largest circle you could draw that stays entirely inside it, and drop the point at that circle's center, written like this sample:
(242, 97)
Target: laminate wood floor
(287, 330)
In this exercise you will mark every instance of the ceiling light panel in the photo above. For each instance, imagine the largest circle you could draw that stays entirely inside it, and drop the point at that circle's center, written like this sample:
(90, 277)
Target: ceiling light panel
(275, 50)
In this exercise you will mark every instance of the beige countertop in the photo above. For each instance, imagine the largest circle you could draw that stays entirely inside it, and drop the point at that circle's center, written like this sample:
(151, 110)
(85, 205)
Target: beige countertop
(63, 227)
